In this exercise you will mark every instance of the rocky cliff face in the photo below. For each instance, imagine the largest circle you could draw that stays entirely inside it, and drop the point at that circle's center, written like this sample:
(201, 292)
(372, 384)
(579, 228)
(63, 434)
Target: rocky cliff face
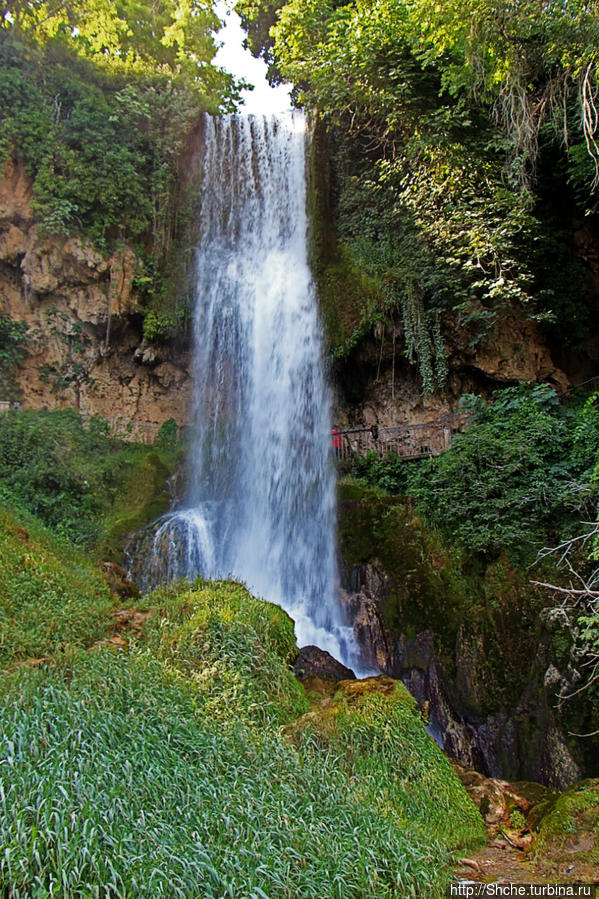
(86, 349)
(480, 648)
(373, 387)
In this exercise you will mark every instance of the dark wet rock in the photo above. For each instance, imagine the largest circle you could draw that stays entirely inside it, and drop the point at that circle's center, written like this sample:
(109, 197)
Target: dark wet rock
(315, 662)
(497, 741)
(557, 766)
(118, 581)
(378, 646)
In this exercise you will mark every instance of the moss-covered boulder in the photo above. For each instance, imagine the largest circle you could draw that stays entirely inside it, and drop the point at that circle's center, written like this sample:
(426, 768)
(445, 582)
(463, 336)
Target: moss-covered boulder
(567, 839)
(374, 729)
(234, 648)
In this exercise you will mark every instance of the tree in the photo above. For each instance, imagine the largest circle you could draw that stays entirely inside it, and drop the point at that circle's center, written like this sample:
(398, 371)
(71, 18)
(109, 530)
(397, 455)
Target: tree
(163, 35)
(578, 603)
(535, 61)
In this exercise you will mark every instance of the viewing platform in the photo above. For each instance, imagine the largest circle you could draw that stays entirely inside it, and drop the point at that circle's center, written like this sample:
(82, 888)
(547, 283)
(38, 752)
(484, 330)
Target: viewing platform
(410, 441)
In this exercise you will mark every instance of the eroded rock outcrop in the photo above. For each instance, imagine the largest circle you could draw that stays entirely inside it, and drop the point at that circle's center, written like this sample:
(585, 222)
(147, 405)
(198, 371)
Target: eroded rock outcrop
(375, 389)
(85, 349)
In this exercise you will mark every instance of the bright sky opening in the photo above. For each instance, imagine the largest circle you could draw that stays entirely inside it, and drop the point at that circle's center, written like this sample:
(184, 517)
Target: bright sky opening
(232, 56)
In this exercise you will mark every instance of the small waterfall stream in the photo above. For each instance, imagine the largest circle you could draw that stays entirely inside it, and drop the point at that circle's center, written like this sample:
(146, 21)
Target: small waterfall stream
(261, 503)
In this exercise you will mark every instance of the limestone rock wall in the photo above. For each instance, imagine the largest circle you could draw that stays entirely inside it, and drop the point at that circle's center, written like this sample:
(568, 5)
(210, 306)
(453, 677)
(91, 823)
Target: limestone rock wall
(85, 317)
(373, 388)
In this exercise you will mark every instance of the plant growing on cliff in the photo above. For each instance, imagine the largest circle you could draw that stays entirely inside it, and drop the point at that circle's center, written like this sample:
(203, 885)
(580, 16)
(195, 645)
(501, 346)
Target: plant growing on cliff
(74, 369)
(80, 482)
(14, 342)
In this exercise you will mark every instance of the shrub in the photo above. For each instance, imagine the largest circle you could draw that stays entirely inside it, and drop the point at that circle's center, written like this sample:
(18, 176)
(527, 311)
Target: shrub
(511, 478)
(86, 486)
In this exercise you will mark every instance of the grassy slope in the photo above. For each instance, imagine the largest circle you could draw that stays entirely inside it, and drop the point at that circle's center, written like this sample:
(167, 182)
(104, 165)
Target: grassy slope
(89, 487)
(165, 769)
(52, 599)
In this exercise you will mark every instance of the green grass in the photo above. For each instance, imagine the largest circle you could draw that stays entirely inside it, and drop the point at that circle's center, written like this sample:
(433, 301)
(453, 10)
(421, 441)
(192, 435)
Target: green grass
(116, 783)
(170, 769)
(52, 598)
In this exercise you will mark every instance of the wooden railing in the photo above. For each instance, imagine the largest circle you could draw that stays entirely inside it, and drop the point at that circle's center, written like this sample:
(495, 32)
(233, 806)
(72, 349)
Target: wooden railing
(411, 441)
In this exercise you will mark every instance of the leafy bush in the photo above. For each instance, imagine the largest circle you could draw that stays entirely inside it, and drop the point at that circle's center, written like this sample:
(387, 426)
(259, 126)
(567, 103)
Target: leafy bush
(389, 473)
(85, 485)
(168, 433)
(514, 475)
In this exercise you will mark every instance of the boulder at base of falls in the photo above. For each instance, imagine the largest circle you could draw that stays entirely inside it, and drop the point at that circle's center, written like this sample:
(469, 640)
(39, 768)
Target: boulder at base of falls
(502, 803)
(315, 662)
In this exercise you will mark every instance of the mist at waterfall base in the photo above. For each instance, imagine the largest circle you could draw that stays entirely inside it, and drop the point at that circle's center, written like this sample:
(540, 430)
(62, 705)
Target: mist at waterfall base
(261, 503)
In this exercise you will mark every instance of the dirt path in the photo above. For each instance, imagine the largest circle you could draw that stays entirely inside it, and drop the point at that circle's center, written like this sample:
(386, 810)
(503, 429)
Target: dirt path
(498, 862)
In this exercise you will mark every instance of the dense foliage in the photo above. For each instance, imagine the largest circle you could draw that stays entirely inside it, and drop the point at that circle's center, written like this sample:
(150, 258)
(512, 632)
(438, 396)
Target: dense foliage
(87, 486)
(99, 100)
(524, 472)
(173, 35)
(435, 119)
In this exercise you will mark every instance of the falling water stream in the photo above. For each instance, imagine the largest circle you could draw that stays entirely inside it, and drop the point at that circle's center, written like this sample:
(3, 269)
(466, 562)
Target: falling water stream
(261, 503)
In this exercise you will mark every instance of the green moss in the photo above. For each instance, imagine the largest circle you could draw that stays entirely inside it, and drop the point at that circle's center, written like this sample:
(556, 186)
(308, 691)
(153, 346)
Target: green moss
(569, 830)
(378, 736)
(140, 495)
(350, 302)
(481, 610)
(350, 299)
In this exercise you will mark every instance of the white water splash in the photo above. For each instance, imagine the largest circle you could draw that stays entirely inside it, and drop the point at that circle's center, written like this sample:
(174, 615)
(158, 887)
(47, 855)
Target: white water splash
(261, 506)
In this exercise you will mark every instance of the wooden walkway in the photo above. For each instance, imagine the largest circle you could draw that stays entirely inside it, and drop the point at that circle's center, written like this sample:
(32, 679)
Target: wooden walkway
(411, 441)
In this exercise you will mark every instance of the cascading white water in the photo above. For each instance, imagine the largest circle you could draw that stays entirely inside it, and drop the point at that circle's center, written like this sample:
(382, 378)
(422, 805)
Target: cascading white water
(261, 506)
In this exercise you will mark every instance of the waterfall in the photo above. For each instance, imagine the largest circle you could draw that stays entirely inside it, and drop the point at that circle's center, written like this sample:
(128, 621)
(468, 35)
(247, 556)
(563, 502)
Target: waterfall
(261, 503)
